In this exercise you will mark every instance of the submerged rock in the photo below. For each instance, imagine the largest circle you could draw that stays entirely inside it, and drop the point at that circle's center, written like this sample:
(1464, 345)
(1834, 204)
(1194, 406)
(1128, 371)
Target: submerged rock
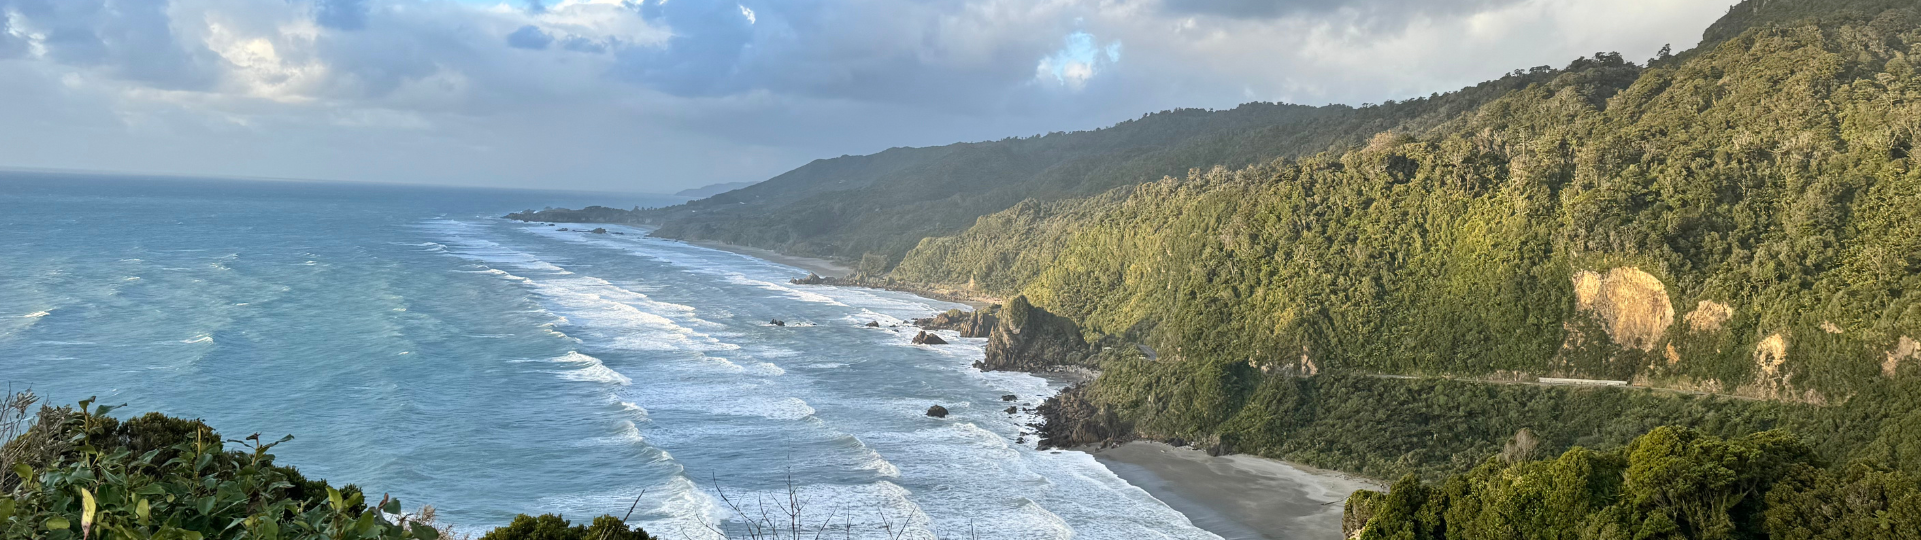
(777, 322)
(937, 411)
(598, 230)
(873, 324)
(925, 338)
(1012, 410)
(1009, 397)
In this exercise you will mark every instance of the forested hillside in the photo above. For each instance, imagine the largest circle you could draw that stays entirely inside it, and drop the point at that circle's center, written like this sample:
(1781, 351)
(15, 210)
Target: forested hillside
(883, 204)
(1734, 229)
(1741, 220)
(1744, 220)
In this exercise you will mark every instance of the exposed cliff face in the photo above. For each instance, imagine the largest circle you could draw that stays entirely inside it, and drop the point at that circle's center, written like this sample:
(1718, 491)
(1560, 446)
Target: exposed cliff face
(1632, 305)
(1027, 338)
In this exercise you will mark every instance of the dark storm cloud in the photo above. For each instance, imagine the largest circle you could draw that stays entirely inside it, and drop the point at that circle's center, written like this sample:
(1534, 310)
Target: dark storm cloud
(131, 38)
(341, 14)
(704, 55)
(944, 54)
(529, 37)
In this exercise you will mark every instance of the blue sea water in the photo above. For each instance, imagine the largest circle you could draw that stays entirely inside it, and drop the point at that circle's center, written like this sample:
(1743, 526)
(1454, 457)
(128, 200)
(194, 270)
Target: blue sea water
(418, 345)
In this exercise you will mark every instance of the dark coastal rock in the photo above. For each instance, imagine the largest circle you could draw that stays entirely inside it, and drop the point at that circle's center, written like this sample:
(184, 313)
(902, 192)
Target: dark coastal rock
(873, 324)
(925, 338)
(598, 230)
(1071, 419)
(591, 214)
(937, 411)
(1028, 338)
(563, 229)
(811, 279)
(1012, 410)
(978, 323)
(777, 322)
(1009, 397)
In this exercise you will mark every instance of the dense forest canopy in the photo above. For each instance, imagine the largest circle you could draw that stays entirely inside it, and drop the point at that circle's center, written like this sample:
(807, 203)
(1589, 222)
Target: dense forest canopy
(1739, 221)
(883, 204)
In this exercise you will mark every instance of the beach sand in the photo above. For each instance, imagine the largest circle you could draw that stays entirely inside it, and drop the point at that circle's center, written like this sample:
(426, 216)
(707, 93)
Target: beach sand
(823, 267)
(1238, 497)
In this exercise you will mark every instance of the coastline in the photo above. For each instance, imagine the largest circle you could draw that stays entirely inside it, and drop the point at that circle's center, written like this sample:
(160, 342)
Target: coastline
(1237, 496)
(822, 267)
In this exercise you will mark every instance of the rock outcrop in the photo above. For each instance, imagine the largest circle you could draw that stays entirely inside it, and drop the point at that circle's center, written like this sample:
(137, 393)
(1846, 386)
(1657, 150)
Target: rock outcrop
(971, 324)
(937, 411)
(924, 338)
(1028, 338)
(1071, 419)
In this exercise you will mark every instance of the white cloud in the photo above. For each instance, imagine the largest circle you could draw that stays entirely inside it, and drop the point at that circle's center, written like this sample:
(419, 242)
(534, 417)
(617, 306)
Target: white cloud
(624, 93)
(1078, 60)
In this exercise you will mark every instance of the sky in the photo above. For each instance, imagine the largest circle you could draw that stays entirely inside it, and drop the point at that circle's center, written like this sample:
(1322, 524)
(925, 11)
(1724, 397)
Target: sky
(661, 95)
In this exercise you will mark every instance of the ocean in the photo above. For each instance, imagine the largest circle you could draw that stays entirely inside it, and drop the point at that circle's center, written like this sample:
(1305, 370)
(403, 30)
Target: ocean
(416, 344)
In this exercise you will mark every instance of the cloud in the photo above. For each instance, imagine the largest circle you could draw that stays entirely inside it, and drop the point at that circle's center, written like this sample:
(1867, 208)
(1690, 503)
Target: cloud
(1370, 15)
(662, 94)
(1078, 60)
(341, 14)
(529, 37)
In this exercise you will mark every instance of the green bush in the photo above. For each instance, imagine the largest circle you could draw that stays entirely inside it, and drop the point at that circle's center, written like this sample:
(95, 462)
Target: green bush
(1672, 483)
(80, 473)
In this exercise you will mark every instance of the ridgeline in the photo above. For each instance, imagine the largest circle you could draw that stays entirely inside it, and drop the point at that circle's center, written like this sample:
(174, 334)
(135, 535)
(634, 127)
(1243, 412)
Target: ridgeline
(1730, 237)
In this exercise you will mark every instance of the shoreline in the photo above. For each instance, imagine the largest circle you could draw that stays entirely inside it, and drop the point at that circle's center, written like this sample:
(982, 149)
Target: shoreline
(821, 267)
(1237, 496)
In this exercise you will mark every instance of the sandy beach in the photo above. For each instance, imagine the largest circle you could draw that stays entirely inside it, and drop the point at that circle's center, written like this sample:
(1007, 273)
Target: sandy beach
(1238, 497)
(823, 267)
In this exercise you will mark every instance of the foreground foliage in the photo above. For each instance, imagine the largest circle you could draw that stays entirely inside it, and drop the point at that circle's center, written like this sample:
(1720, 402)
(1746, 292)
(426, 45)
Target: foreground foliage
(79, 473)
(1671, 483)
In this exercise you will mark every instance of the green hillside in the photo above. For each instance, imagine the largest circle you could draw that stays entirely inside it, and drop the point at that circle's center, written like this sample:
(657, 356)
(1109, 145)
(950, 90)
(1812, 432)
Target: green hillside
(1740, 220)
(884, 204)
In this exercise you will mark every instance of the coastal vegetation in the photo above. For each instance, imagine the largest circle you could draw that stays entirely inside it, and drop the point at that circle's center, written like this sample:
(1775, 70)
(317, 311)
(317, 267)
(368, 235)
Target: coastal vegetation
(78, 473)
(1669, 483)
(1738, 221)
(1565, 262)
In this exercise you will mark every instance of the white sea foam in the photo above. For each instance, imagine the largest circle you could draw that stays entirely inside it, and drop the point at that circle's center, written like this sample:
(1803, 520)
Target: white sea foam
(198, 338)
(591, 369)
(37, 314)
